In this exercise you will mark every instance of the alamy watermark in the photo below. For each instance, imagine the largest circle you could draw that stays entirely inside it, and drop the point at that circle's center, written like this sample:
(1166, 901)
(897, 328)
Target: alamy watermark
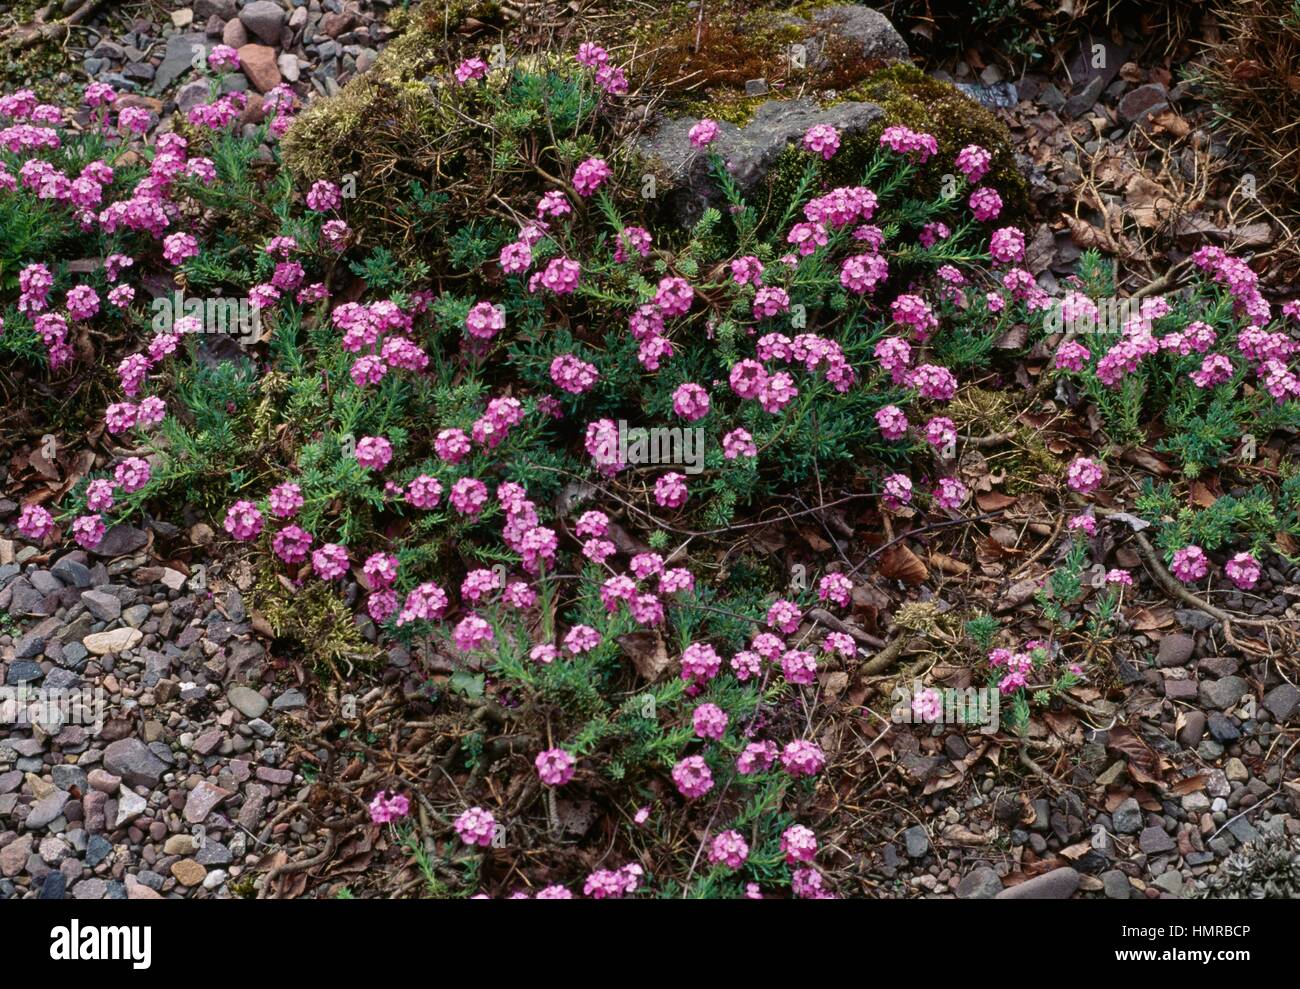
(53, 707)
(921, 705)
(655, 445)
(215, 314)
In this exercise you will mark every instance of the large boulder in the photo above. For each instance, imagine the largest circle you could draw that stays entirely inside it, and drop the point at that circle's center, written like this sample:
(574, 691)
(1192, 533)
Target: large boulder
(749, 151)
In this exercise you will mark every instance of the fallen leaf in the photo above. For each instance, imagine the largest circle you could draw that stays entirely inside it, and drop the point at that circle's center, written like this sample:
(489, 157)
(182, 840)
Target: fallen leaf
(648, 653)
(900, 563)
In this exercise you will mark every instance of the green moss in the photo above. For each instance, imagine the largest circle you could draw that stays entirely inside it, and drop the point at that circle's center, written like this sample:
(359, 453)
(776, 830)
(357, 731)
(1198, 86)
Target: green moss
(910, 97)
(316, 617)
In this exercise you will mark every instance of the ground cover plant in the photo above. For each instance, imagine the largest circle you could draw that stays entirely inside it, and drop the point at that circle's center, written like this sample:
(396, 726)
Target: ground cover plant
(485, 404)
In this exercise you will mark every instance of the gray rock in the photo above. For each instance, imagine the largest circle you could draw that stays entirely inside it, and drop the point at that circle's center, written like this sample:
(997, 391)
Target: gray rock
(247, 701)
(203, 9)
(1193, 729)
(291, 700)
(54, 887)
(46, 810)
(104, 606)
(1171, 882)
(1059, 884)
(71, 572)
(1222, 693)
(23, 671)
(1175, 649)
(1142, 102)
(749, 151)
(981, 883)
(98, 848)
(177, 60)
(1116, 885)
(264, 20)
(130, 805)
(1083, 101)
(868, 32)
(1154, 840)
(916, 841)
(1127, 818)
(1223, 728)
(1282, 701)
(132, 760)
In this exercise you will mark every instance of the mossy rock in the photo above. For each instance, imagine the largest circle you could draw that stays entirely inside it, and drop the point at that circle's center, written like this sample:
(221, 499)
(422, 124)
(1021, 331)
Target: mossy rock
(910, 97)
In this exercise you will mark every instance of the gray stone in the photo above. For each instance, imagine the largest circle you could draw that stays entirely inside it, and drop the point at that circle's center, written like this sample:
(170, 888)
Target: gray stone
(71, 572)
(132, 760)
(1282, 701)
(264, 20)
(247, 701)
(749, 151)
(46, 810)
(1083, 101)
(1059, 884)
(130, 805)
(203, 9)
(291, 700)
(104, 606)
(1175, 649)
(1222, 693)
(1116, 885)
(123, 539)
(981, 883)
(916, 841)
(1223, 728)
(1142, 102)
(1154, 841)
(202, 800)
(98, 848)
(1127, 818)
(177, 60)
(868, 32)
(23, 671)
(1193, 730)
(1171, 882)
(54, 887)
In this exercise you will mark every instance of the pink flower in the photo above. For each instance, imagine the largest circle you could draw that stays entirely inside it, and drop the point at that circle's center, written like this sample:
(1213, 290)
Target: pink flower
(291, 544)
(424, 492)
(703, 133)
(973, 162)
(374, 452)
(243, 521)
(1190, 564)
(178, 248)
(836, 588)
(561, 276)
(691, 401)
(476, 827)
(934, 382)
(516, 257)
(469, 495)
(692, 777)
(581, 639)
(985, 203)
(700, 662)
(799, 844)
(747, 270)
(472, 632)
(330, 561)
(784, 616)
(670, 490)
(802, 758)
(590, 176)
(799, 667)
(892, 422)
(555, 767)
(709, 721)
(99, 495)
(738, 443)
(573, 374)
(223, 57)
(822, 139)
(426, 602)
(1120, 577)
(927, 705)
(119, 417)
(950, 493)
(381, 569)
(729, 849)
(898, 491)
(1243, 570)
(485, 320)
(384, 809)
(674, 295)
(1007, 244)
(132, 474)
(770, 301)
(88, 531)
(1083, 523)
(757, 757)
(324, 196)
(35, 522)
(470, 68)
(1084, 475)
(1072, 356)
(285, 500)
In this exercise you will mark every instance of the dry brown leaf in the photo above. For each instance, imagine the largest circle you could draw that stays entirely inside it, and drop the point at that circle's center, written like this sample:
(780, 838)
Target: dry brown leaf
(648, 653)
(900, 563)
(993, 501)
